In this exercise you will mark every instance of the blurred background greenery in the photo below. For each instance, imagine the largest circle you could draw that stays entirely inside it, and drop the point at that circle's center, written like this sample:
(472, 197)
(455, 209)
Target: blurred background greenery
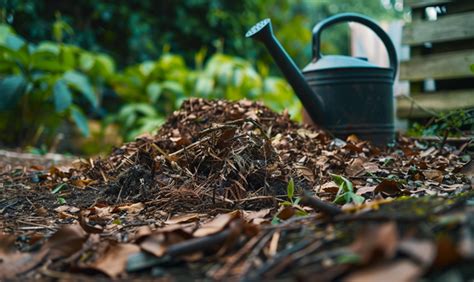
(116, 69)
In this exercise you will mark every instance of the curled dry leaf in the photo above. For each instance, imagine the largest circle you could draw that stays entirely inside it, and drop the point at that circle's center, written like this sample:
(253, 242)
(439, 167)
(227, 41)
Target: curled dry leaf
(60, 171)
(66, 208)
(382, 244)
(433, 174)
(157, 242)
(389, 187)
(141, 233)
(353, 139)
(366, 189)
(66, 241)
(371, 167)
(114, 260)
(13, 262)
(184, 218)
(82, 183)
(252, 216)
(130, 209)
(401, 270)
(446, 252)
(355, 168)
(217, 224)
(329, 187)
(305, 172)
(286, 212)
(89, 228)
(422, 251)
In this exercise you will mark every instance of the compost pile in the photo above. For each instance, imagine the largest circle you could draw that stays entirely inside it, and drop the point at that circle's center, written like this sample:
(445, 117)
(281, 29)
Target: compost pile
(241, 154)
(232, 190)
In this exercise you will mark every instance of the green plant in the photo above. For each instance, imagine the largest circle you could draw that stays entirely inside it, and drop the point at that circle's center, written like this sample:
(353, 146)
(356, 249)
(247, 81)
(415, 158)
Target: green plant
(150, 91)
(233, 78)
(134, 31)
(445, 124)
(345, 194)
(42, 85)
(293, 202)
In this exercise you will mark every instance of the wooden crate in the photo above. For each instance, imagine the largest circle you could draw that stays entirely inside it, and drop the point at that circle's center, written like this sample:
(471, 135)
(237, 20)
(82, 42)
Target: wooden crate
(441, 55)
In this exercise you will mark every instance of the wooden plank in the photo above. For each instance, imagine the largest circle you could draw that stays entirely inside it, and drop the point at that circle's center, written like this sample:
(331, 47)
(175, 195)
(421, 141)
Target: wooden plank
(425, 3)
(459, 7)
(413, 107)
(447, 28)
(438, 66)
(443, 47)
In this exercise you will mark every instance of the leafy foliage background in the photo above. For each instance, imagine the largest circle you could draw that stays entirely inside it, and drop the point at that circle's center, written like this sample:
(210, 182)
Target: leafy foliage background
(131, 63)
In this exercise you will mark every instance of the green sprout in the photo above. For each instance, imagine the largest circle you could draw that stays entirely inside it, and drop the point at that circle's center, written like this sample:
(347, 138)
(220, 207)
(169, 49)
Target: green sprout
(346, 194)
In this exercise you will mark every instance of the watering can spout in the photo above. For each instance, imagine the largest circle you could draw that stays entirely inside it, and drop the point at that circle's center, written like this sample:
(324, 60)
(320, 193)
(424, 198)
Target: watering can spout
(263, 32)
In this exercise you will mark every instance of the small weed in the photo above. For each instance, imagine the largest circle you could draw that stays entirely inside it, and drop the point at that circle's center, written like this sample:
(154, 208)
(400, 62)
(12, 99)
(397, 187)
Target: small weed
(59, 188)
(61, 200)
(292, 202)
(346, 193)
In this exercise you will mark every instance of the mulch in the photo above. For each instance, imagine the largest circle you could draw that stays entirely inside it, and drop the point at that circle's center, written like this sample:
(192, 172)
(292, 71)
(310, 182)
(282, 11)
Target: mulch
(207, 197)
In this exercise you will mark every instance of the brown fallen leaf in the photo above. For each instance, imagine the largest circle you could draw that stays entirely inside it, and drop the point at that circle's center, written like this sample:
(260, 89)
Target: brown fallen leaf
(371, 167)
(330, 187)
(423, 251)
(401, 270)
(382, 244)
(157, 242)
(65, 242)
(60, 171)
(446, 252)
(82, 183)
(286, 212)
(353, 139)
(66, 208)
(217, 224)
(389, 187)
(251, 216)
(468, 169)
(433, 174)
(114, 260)
(141, 233)
(427, 152)
(89, 228)
(13, 262)
(135, 208)
(366, 189)
(305, 172)
(355, 168)
(184, 218)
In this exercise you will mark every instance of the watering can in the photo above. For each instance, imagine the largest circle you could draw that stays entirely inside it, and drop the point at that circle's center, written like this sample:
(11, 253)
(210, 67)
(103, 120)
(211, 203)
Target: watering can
(344, 95)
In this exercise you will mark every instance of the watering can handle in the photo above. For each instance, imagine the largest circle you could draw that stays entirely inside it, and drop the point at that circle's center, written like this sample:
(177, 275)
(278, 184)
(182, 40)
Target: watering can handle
(358, 18)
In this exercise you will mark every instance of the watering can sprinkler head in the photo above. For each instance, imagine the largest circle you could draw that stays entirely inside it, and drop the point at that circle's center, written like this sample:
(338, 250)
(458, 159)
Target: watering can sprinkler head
(260, 30)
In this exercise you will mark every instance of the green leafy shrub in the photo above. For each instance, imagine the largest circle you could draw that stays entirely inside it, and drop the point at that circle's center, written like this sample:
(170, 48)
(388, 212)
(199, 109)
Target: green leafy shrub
(42, 85)
(45, 85)
(135, 31)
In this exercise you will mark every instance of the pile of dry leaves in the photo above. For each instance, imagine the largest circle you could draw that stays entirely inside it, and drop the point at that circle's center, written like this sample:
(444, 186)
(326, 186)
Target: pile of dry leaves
(232, 189)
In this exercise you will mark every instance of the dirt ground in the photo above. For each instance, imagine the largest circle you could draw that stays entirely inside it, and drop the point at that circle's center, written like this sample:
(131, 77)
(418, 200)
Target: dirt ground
(232, 190)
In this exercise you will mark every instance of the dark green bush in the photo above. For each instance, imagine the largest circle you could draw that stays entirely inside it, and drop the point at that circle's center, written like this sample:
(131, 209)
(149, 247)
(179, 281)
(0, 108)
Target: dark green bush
(45, 85)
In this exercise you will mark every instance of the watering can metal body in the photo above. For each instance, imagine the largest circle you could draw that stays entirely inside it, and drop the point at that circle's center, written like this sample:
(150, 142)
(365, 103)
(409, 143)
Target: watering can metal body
(344, 95)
